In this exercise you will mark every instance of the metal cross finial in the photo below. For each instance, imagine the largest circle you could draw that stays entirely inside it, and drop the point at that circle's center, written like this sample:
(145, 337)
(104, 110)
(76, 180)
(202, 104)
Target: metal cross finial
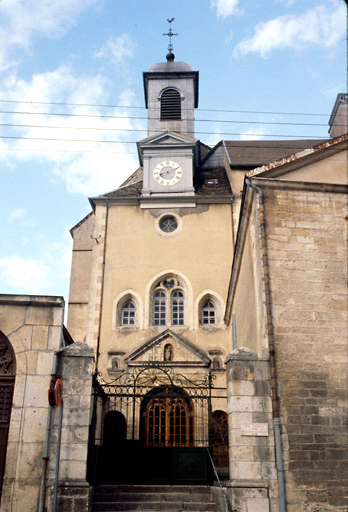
(170, 34)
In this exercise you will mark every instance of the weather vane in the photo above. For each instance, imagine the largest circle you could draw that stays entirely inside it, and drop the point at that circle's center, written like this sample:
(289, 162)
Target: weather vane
(170, 34)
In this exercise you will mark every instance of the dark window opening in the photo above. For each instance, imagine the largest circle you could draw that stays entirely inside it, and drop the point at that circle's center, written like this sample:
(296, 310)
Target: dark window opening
(170, 105)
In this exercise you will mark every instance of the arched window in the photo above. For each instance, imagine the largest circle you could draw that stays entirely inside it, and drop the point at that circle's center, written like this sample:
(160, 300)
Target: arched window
(208, 313)
(128, 313)
(168, 303)
(170, 105)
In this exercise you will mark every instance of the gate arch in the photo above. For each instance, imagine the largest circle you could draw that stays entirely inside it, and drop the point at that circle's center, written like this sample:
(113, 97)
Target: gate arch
(167, 426)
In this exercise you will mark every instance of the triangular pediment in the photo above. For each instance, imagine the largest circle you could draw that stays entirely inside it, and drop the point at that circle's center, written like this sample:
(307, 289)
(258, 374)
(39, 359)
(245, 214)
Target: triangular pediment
(167, 138)
(181, 353)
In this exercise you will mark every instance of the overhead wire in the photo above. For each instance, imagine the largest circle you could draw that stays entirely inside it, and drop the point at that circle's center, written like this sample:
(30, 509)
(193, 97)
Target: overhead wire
(109, 116)
(142, 107)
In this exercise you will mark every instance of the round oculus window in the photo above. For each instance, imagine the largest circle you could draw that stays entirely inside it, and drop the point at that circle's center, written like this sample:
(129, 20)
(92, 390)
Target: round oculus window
(168, 224)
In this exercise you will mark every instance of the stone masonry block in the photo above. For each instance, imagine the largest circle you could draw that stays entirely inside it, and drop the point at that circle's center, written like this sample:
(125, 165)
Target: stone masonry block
(237, 419)
(34, 426)
(245, 403)
(40, 337)
(44, 316)
(246, 470)
(257, 505)
(73, 452)
(36, 390)
(70, 470)
(54, 336)
(44, 363)
(241, 388)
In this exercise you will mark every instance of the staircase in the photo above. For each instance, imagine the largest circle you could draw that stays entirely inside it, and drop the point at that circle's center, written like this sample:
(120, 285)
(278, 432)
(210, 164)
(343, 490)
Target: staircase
(149, 498)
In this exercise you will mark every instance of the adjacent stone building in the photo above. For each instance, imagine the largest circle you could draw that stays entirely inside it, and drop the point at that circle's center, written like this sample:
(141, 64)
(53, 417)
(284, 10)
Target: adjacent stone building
(207, 308)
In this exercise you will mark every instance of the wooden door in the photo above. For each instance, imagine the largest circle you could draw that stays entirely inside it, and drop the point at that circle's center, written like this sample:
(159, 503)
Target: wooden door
(168, 421)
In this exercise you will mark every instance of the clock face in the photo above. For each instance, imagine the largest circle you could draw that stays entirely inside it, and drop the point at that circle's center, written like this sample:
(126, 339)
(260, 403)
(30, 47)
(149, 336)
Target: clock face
(167, 173)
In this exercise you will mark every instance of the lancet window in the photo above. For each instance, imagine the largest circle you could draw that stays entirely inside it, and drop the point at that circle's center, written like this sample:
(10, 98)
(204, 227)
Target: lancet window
(208, 313)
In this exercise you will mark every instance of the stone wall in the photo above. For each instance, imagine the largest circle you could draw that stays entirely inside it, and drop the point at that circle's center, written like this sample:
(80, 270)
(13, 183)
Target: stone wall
(306, 234)
(75, 367)
(33, 326)
(253, 483)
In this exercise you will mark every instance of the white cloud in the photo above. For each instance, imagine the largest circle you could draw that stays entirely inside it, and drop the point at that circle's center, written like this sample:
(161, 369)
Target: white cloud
(118, 49)
(324, 25)
(253, 134)
(224, 8)
(96, 173)
(23, 275)
(17, 214)
(23, 20)
(90, 167)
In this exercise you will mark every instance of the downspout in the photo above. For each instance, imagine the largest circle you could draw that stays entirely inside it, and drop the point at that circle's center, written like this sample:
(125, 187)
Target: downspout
(274, 390)
(102, 287)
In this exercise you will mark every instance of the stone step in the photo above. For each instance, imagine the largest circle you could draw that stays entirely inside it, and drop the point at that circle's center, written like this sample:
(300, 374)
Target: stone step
(192, 489)
(150, 498)
(155, 496)
(151, 506)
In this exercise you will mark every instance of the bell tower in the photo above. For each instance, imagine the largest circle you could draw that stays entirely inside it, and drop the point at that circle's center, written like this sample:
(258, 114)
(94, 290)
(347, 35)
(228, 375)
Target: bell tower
(171, 94)
(169, 154)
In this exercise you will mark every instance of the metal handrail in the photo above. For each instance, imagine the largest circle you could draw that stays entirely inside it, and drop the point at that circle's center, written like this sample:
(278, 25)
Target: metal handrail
(228, 504)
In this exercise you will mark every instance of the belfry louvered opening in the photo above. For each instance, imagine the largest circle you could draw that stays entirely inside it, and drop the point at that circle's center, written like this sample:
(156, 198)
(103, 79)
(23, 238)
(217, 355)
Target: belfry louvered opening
(170, 104)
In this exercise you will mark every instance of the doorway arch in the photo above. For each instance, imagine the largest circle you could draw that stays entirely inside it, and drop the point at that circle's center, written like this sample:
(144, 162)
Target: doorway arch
(167, 418)
(115, 429)
(7, 380)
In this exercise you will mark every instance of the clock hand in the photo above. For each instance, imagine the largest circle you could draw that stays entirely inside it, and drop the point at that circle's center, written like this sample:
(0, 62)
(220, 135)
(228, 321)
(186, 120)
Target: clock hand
(163, 173)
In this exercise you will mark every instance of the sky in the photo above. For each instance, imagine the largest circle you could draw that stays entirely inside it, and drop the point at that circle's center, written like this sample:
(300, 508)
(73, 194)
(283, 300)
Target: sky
(72, 101)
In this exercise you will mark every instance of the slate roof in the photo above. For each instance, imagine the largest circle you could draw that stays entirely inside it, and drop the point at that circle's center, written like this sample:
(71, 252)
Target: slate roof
(212, 182)
(253, 153)
(242, 154)
(208, 182)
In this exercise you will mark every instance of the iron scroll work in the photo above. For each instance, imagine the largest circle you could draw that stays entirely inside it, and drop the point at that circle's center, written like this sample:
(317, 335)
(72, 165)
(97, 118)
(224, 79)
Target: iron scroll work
(152, 425)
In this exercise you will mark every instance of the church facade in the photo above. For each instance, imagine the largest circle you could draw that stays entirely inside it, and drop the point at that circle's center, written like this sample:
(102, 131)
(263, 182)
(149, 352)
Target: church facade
(207, 309)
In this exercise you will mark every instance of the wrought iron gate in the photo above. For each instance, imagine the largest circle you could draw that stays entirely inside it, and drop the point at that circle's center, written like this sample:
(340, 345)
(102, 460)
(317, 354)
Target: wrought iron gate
(151, 426)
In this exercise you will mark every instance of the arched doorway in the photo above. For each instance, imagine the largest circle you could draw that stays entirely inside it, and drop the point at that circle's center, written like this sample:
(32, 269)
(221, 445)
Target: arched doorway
(167, 418)
(219, 442)
(7, 379)
(115, 428)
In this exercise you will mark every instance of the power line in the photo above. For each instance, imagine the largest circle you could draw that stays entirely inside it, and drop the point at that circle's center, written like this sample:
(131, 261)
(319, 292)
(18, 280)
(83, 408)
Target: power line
(100, 105)
(132, 153)
(132, 142)
(109, 116)
(70, 151)
(142, 130)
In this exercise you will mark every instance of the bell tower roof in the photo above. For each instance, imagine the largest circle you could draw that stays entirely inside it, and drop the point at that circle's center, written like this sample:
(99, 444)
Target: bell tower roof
(170, 67)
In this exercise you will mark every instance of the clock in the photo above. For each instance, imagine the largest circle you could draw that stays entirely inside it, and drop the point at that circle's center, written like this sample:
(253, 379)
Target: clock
(167, 173)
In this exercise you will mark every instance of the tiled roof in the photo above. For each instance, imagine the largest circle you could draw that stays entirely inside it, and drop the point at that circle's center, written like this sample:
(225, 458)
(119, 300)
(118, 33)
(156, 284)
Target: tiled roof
(254, 153)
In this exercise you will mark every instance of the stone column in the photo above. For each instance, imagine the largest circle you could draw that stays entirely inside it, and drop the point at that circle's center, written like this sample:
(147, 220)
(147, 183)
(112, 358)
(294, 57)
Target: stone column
(253, 479)
(75, 368)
